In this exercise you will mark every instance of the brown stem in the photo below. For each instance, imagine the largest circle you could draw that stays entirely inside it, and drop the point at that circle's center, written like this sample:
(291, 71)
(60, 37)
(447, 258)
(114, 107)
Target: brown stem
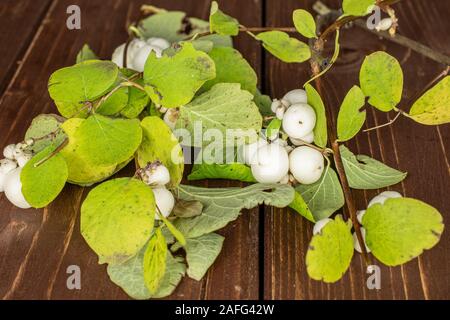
(53, 153)
(332, 138)
(409, 43)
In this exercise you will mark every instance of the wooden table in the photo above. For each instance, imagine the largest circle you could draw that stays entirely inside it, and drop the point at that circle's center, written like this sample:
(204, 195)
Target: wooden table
(264, 250)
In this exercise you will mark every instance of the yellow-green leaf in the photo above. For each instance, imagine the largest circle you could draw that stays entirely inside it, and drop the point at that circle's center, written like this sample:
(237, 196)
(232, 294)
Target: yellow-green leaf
(320, 130)
(350, 118)
(304, 23)
(284, 47)
(433, 107)
(155, 261)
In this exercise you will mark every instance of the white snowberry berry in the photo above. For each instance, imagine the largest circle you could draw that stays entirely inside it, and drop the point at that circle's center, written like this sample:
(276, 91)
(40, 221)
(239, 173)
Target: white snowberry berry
(270, 163)
(171, 117)
(306, 164)
(299, 120)
(275, 105)
(309, 138)
(356, 242)
(248, 151)
(165, 201)
(23, 159)
(318, 226)
(296, 96)
(160, 43)
(359, 215)
(13, 189)
(6, 166)
(8, 152)
(157, 175)
(382, 197)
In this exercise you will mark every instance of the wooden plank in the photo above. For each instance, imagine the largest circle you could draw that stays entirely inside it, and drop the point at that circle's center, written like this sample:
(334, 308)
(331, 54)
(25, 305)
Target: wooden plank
(19, 21)
(37, 246)
(420, 150)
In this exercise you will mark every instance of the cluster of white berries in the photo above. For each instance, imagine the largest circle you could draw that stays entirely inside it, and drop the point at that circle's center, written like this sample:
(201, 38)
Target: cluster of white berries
(16, 156)
(279, 162)
(156, 175)
(381, 198)
(138, 52)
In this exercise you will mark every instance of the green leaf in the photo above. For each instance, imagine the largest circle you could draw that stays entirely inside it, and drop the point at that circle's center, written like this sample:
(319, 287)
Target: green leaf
(155, 261)
(137, 101)
(223, 205)
(229, 171)
(187, 209)
(105, 141)
(117, 219)
(381, 79)
(174, 26)
(173, 230)
(223, 107)
(81, 172)
(301, 207)
(173, 81)
(86, 53)
(358, 7)
(304, 23)
(71, 87)
(43, 126)
(401, 229)
(159, 143)
(273, 128)
(231, 67)
(320, 130)
(330, 252)
(201, 253)
(203, 45)
(323, 197)
(433, 107)
(115, 103)
(42, 184)
(350, 118)
(222, 23)
(364, 172)
(284, 47)
(130, 276)
(263, 102)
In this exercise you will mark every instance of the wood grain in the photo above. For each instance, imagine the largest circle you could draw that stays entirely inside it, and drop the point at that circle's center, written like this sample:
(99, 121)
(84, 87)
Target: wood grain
(37, 246)
(419, 150)
(19, 22)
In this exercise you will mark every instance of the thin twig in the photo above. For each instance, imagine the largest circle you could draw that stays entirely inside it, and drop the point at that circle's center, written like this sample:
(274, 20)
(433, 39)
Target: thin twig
(409, 43)
(53, 153)
(384, 124)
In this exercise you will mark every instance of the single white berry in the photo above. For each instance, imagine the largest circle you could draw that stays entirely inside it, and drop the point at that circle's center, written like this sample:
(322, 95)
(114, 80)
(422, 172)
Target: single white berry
(309, 138)
(384, 24)
(270, 163)
(299, 120)
(296, 96)
(306, 164)
(248, 151)
(391, 194)
(6, 166)
(279, 113)
(318, 226)
(160, 43)
(285, 179)
(23, 159)
(157, 175)
(382, 197)
(275, 105)
(142, 54)
(171, 117)
(359, 215)
(8, 152)
(356, 242)
(13, 189)
(165, 201)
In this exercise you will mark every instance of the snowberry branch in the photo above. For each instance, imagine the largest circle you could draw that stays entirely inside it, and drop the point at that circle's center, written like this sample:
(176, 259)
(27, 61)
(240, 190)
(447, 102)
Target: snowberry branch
(349, 201)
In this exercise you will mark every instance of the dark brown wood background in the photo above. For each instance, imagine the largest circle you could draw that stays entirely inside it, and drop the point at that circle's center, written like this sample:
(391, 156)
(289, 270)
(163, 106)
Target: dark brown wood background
(264, 250)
